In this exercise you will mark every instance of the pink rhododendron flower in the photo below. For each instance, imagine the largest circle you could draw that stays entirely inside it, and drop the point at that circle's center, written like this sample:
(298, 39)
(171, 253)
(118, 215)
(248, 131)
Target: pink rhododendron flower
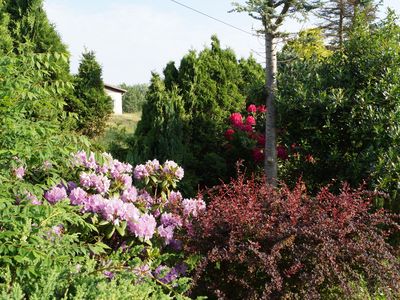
(250, 121)
(166, 232)
(251, 108)
(260, 139)
(236, 119)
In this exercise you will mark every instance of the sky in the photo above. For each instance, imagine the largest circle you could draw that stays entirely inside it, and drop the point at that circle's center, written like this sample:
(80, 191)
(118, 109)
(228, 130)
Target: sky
(132, 38)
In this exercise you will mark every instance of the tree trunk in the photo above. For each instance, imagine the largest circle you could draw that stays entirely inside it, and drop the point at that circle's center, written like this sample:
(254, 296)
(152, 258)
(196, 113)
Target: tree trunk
(270, 162)
(341, 21)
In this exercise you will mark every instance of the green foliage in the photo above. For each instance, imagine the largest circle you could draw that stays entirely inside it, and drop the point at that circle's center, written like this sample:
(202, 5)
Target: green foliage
(29, 24)
(309, 43)
(344, 110)
(91, 104)
(185, 113)
(134, 98)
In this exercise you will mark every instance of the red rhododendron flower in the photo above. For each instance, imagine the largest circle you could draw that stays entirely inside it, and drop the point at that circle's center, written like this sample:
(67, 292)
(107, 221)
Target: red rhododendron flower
(282, 152)
(261, 108)
(236, 119)
(250, 121)
(252, 108)
(246, 127)
(261, 139)
(258, 154)
(229, 134)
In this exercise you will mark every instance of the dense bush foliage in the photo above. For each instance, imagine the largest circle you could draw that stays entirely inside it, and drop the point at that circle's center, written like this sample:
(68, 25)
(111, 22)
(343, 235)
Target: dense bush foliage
(344, 111)
(260, 242)
(185, 112)
(134, 98)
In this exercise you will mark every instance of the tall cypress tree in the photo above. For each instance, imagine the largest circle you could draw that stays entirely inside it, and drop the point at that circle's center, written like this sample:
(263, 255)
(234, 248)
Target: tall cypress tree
(91, 104)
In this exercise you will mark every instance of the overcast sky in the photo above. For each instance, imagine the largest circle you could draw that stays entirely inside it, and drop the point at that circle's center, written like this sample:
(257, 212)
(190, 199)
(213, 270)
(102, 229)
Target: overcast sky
(132, 38)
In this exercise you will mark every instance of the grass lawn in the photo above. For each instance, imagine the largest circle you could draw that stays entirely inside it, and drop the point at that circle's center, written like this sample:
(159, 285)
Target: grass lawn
(126, 121)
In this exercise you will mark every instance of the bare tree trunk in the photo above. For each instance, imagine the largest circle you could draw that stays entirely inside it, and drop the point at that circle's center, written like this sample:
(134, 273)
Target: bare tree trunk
(341, 21)
(270, 162)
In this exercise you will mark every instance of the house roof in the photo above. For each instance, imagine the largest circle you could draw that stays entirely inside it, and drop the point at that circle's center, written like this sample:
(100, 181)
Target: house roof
(114, 88)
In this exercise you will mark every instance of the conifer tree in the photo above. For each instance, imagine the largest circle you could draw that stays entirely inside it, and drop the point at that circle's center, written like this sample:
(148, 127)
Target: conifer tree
(91, 104)
(338, 17)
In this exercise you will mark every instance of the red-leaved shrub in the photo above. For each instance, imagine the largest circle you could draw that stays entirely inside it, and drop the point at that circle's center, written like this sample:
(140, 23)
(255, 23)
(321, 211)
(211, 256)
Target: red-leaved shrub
(259, 242)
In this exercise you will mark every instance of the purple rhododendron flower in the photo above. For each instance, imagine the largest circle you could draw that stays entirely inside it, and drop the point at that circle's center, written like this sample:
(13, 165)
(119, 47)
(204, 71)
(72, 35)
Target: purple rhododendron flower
(19, 172)
(167, 233)
(94, 203)
(175, 197)
(129, 195)
(192, 207)
(55, 194)
(144, 227)
(140, 172)
(108, 274)
(169, 219)
(77, 196)
(33, 199)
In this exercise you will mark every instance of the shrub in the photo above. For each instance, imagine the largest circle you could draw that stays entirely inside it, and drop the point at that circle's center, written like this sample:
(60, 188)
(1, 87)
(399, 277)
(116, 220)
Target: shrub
(176, 122)
(261, 242)
(344, 111)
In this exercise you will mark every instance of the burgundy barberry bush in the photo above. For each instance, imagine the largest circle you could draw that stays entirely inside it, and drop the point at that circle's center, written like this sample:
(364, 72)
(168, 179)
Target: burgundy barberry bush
(266, 243)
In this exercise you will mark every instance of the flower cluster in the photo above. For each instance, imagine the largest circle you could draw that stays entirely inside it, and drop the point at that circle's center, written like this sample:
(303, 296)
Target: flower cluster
(104, 188)
(247, 130)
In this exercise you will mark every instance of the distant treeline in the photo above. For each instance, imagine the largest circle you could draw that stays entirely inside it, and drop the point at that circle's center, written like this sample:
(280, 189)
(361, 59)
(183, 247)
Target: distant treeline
(133, 99)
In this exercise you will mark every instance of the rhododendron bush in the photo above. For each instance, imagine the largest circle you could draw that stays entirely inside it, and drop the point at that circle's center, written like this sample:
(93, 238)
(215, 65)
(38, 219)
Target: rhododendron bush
(245, 140)
(124, 214)
(128, 220)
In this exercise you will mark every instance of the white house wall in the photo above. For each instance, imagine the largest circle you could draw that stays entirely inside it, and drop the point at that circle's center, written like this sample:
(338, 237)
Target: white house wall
(117, 100)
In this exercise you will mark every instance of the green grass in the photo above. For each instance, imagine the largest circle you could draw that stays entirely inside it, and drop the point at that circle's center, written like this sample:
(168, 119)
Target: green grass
(119, 129)
(126, 121)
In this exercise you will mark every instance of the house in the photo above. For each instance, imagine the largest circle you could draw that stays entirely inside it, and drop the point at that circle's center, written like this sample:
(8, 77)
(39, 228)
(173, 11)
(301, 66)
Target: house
(116, 95)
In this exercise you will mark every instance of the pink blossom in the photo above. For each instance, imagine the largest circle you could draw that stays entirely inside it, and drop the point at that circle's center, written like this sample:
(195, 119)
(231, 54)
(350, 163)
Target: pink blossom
(250, 121)
(236, 119)
(166, 232)
(251, 108)
(140, 172)
(192, 207)
(229, 134)
(281, 152)
(261, 108)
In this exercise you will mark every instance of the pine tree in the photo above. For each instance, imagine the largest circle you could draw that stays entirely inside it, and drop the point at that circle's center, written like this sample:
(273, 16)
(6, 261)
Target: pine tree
(91, 104)
(339, 16)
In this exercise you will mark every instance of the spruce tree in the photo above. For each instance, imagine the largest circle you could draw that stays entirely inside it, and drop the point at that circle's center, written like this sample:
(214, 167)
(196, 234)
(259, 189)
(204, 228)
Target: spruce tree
(338, 17)
(91, 103)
